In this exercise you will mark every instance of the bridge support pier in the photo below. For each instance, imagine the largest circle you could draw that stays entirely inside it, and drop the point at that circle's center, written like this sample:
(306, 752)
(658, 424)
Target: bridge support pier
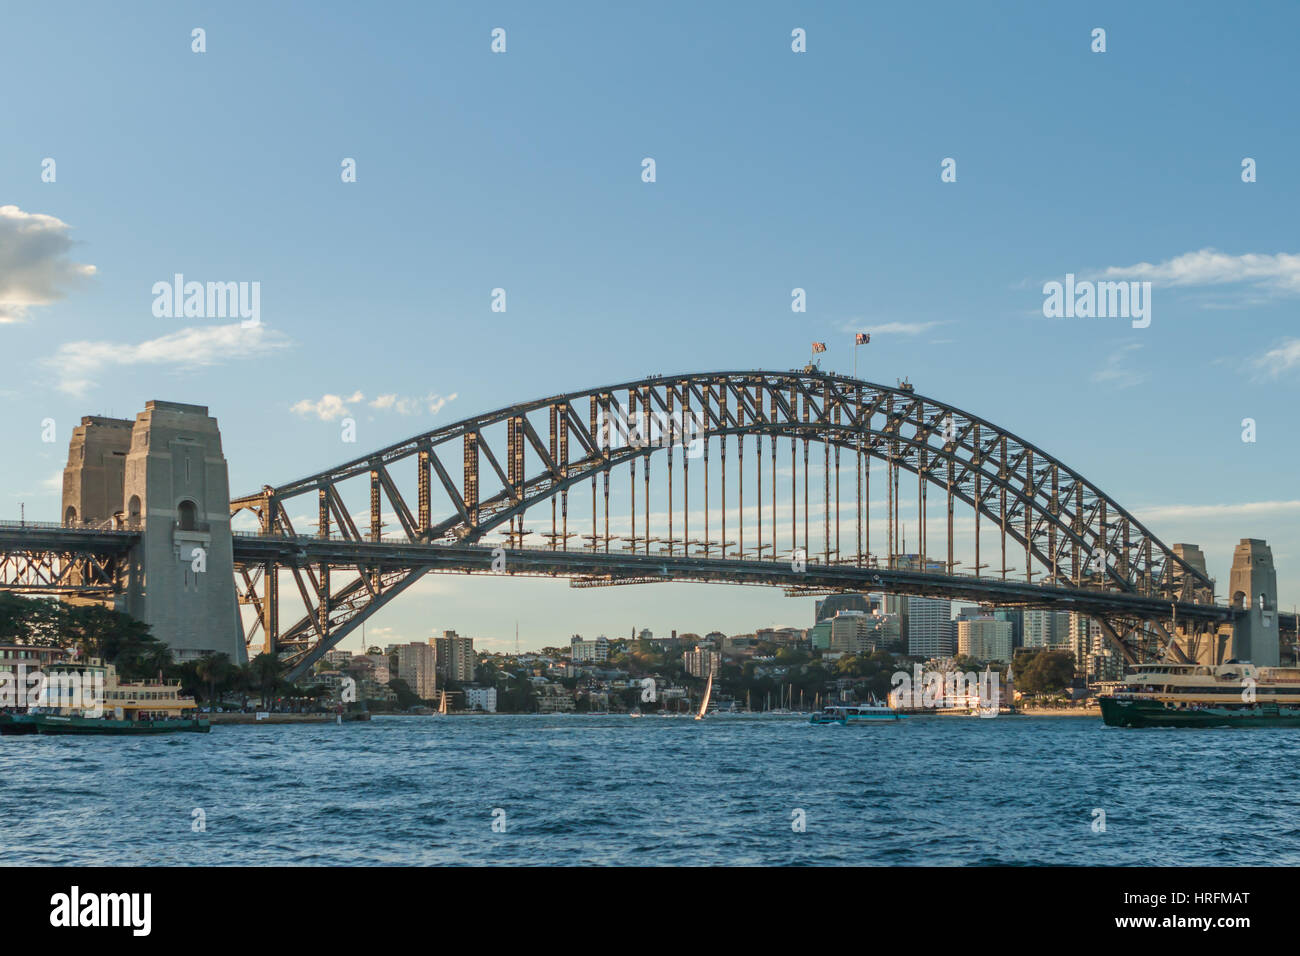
(1252, 585)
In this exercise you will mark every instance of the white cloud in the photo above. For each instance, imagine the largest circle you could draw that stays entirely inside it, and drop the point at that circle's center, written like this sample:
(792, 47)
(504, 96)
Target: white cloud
(438, 402)
(77, 364)
(34, 265)
(1116, 371)
(329, 407)
(1279, 359)
(1279, 273)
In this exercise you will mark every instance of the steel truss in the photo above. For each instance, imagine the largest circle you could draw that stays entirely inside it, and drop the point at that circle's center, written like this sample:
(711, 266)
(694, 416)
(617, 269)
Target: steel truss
(495, 476)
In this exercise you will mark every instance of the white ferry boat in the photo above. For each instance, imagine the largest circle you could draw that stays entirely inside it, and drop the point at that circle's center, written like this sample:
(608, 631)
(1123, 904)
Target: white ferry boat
(847, 715)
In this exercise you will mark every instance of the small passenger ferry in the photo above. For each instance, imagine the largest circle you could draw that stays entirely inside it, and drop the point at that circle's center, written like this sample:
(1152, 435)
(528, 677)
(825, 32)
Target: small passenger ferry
(87, 697)
(854, 714)
(1232, 694)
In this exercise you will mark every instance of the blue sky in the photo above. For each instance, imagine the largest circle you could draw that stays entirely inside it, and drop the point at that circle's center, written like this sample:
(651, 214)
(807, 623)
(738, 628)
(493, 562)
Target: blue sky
(775, 170)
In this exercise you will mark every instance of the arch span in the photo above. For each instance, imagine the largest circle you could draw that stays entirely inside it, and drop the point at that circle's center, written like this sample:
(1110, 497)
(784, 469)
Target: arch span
(547, 473)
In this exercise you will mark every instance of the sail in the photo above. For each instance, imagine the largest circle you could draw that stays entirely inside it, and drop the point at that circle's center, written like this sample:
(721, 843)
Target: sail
(708, 691)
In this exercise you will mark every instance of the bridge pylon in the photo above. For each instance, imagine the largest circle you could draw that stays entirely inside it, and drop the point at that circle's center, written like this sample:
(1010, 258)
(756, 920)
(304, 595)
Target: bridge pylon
(164, 476)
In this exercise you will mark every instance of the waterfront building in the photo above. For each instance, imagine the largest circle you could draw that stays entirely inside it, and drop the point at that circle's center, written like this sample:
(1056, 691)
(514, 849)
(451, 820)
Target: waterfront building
(554, 699)
(416, 666)
(481, 698)
(454, 657)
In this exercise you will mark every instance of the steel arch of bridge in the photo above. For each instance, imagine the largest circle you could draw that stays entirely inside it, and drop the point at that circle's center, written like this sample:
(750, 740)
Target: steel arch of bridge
(1070, 533)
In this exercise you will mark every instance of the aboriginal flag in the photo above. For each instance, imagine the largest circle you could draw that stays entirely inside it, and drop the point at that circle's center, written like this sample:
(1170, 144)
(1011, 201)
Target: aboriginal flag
(819, 346)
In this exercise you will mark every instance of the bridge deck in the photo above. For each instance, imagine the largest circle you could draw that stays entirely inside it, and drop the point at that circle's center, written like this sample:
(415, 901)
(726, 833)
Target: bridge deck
(642, 568)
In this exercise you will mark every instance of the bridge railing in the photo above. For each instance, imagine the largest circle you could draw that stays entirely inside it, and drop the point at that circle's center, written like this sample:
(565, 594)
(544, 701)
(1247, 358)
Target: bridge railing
(105, 526)
(873, 562)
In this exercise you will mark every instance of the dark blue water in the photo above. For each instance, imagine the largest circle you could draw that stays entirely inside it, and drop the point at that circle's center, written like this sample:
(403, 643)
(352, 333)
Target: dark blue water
(614, 790)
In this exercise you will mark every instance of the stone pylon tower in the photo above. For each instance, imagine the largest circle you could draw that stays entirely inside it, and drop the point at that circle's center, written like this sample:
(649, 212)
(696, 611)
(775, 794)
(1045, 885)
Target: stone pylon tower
(92, 480)
(1199, 643)
(1252, 584)
(164, 475)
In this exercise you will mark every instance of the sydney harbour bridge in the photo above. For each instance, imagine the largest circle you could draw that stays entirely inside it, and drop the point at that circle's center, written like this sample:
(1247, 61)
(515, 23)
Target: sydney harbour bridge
(748, 478)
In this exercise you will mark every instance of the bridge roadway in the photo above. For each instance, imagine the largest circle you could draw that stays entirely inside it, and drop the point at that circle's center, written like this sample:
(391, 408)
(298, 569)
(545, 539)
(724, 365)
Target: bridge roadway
(633, 568)
(629, 568)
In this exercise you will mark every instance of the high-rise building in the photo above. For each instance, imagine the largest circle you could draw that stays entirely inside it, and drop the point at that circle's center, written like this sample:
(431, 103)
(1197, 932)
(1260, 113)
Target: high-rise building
(416, 666)
(1015, 617)
(927, 627)
(454, 657)
(925, 624)
(700, 661)
(984, 637)
(1043, 628)
(852, 632)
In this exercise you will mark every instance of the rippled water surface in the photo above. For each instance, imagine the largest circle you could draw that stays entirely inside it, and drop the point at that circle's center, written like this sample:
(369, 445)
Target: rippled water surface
(614, 790)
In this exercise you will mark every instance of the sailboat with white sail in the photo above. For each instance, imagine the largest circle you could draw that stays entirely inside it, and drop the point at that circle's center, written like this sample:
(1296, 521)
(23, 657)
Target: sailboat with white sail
(708, 692)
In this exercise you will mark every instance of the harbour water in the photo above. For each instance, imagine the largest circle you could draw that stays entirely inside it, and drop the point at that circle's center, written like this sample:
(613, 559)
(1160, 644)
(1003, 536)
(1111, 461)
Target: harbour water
(583, 790)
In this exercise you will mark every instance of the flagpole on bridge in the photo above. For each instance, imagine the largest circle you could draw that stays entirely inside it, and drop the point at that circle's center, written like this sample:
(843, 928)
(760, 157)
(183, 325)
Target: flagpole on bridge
(861, 338)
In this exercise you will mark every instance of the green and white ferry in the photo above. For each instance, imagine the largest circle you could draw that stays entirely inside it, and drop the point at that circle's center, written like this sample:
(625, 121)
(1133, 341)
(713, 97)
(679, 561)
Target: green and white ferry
(1232, 694)
(87, 698)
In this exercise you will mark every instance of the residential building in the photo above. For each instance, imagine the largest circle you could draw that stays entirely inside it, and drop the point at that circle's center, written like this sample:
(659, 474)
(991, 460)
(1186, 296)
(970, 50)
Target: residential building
(454, 657)
(984, 637)
(416, 666)
(481, 698)
(597, 650)
(702, 660)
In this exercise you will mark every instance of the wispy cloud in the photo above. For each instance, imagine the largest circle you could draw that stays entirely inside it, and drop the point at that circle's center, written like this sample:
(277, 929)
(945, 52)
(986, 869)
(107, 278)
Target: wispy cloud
(79, 364)
(330, 407)
(1246, 509)
(889, 328)
(1281, 358)
(1116, 370)
(34, 265)
(1279, 274)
